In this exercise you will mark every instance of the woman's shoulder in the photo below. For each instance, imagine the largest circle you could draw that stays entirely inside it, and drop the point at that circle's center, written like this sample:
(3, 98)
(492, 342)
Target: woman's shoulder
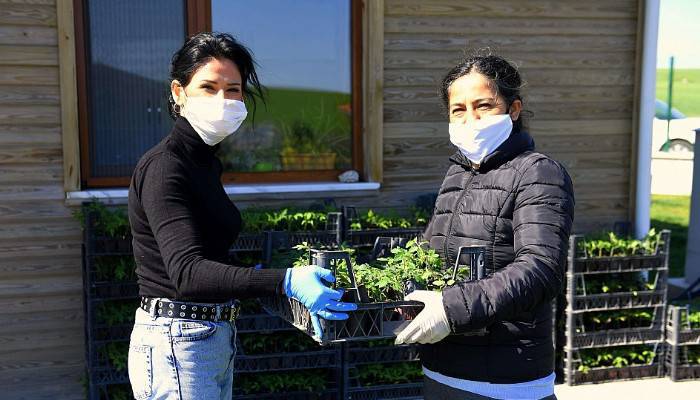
(160, 157)
(530, 161)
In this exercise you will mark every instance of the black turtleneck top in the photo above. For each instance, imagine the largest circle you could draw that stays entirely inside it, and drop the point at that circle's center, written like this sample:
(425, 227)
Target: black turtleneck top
(183, 225)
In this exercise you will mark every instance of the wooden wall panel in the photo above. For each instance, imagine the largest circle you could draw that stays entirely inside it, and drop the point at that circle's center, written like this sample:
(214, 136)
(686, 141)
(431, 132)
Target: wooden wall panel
(577, 60)
(509, 25)
(41, 312)
(624, 9)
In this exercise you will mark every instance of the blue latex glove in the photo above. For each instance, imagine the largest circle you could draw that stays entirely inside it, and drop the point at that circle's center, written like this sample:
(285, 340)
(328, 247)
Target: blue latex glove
(304, 284)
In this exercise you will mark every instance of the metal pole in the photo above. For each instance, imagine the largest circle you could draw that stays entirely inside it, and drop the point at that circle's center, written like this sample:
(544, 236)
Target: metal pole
(666, 146)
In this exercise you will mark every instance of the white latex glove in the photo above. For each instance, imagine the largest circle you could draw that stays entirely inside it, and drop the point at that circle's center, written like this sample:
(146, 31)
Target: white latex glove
(430, 325)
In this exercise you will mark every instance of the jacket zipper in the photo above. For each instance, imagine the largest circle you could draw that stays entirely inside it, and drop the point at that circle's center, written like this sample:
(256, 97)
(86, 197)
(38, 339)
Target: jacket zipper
(452, 218)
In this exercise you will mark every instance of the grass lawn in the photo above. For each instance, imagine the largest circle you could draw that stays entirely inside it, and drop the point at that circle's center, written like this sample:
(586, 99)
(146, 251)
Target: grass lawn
(686, 89)
(673, 212)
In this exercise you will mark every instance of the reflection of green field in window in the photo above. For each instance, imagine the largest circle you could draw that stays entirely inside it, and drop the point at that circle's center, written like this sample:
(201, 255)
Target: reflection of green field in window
(293, 122)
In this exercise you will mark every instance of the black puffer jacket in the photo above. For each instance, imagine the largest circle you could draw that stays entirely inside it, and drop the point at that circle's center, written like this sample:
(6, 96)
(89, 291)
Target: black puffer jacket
(520, 205)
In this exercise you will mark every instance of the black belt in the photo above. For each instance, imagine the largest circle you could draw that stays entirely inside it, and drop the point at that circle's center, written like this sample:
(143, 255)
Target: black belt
(197, 311)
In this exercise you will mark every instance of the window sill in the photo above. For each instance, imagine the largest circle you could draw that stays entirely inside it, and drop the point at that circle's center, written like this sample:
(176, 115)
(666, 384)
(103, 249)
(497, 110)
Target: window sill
(245, 192)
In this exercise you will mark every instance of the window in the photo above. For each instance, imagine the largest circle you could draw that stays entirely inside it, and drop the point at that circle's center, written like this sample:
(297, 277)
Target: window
(308, 54)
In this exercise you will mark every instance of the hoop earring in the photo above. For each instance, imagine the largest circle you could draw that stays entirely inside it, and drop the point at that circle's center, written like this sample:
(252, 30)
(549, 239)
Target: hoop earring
(176, 108)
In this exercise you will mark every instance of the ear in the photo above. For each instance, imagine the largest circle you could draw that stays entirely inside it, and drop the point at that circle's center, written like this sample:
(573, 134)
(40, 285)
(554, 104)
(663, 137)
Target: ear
(176, 91)
(515, 109)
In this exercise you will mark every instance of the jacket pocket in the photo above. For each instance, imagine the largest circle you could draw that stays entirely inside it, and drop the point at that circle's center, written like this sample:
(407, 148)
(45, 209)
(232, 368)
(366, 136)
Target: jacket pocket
(141, 371)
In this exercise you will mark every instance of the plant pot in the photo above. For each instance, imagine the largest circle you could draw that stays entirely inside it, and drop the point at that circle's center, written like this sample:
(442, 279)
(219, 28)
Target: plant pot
(307, 161)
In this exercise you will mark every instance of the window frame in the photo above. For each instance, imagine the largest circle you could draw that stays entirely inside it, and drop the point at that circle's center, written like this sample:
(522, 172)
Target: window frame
(198, 19)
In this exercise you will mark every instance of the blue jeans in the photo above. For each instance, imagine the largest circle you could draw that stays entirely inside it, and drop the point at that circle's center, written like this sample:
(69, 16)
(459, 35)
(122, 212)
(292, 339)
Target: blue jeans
(181, 359)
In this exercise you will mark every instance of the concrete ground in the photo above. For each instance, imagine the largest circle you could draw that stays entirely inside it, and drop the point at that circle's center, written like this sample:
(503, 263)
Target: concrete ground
(653, 389)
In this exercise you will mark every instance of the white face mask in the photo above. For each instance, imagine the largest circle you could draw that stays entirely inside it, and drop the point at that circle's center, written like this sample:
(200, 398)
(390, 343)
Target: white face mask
(480, 138)
(213, 118)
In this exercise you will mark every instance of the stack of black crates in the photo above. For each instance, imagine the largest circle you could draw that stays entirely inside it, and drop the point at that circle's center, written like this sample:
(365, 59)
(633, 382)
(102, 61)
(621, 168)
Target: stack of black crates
(111, 298)
(583, 306)
(682, 345)
(110, 289)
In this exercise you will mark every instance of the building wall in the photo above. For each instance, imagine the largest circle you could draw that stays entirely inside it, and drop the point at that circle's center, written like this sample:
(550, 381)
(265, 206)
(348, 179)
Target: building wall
(578, 62)
(41, 310)
(578, 59)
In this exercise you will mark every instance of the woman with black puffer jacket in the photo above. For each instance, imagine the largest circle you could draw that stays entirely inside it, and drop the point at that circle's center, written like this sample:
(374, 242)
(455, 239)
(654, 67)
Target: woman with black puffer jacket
(502, 194)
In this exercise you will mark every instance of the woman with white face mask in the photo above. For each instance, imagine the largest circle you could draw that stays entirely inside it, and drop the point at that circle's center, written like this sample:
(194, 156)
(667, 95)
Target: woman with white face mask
(501, 194)
(183, 224)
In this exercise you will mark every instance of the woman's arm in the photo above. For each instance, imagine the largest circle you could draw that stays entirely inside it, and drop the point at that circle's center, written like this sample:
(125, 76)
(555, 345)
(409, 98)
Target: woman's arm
(542, 219)
(167, 201)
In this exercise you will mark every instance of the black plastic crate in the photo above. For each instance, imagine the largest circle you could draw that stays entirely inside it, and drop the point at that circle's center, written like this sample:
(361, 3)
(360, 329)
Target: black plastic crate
(601, 265)
(261, 323)
(584, 336)
(108, 246)
(107, 376)
(581, 263)
(373, 355)
(678, 330)
(405, 391)
(574, 376)
(368, 322)
(367, 237)
(618, 301)
(681, 339)
(609, 374)
(104, 332)
(249, 242)
(287, 361)
(678, 365)
(324, 395)
(113, 290)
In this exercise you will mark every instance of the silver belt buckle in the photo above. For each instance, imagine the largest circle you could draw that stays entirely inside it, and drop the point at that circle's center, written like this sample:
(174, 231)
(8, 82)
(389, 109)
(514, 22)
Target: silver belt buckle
(233, 314)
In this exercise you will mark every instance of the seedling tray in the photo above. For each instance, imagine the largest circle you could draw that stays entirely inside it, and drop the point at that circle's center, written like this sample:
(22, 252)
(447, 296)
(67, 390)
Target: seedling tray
(581, 263)
(608, 374)
(584, 337)
(369, 322)
(611, 373)
(619, 301)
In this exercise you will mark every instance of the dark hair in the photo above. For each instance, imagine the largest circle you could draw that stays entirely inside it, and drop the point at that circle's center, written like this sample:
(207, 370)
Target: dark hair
(200, 49)
(502, 73)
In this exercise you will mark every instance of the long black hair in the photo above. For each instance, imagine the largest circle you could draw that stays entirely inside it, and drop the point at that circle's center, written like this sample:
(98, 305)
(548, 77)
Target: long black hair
(200, 49)
(501, 72)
